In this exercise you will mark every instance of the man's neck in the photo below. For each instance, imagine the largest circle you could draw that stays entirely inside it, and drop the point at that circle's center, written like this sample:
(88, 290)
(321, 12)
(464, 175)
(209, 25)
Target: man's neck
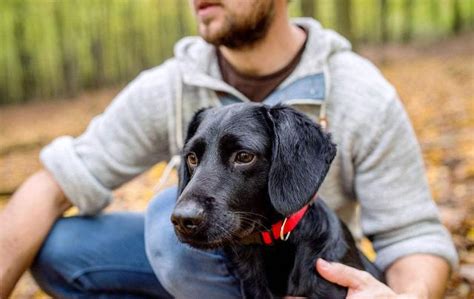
(281, 43)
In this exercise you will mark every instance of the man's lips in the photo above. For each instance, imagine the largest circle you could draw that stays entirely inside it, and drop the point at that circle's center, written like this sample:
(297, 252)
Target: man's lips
(204, 3)
(204, 8)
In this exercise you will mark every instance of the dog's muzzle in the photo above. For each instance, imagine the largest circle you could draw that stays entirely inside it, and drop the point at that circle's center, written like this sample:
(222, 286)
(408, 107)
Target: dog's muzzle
(188, 218)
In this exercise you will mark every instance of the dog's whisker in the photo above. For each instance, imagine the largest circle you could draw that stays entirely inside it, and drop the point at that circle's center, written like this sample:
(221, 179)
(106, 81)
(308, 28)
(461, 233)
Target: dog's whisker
(230, 237)
(251, 214)
(249, 218)
(252, 222)
(248, 212)
(243, 216)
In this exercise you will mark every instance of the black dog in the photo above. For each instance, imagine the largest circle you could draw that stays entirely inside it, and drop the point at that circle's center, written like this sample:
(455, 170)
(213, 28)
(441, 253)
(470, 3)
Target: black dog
(248, 182)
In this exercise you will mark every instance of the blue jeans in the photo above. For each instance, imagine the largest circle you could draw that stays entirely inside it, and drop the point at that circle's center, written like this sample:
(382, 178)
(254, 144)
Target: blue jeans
(129, 255)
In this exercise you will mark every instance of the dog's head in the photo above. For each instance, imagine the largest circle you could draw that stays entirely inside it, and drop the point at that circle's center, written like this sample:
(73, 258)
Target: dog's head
(244, 166)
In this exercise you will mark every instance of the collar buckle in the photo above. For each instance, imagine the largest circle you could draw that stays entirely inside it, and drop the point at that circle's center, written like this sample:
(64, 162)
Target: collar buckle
(282, 229)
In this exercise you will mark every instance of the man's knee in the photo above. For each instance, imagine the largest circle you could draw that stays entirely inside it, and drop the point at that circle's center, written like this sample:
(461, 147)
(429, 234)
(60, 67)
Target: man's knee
(87, 256)
(56, 257)
(159, 239)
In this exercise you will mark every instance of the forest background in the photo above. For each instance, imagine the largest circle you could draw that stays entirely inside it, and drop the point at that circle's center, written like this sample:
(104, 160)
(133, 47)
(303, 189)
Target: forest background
(62, 62)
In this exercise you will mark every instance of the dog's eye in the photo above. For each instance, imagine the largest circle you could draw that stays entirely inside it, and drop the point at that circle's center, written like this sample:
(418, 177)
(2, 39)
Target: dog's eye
(244, 157)
(192, 160)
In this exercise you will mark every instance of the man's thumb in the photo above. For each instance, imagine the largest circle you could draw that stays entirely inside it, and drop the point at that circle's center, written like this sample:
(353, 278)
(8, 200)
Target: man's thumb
(342, 275)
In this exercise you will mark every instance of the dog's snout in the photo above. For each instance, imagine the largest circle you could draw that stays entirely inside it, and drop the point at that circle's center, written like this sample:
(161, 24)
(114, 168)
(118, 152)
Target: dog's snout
(187, 217)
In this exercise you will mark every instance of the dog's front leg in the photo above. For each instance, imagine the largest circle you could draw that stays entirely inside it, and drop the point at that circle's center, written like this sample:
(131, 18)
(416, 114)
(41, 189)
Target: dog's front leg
(249, 266)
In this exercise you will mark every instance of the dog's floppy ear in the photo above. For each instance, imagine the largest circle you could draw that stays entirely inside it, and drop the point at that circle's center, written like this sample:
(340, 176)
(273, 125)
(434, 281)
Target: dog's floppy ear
(184, 175)
(301, 156)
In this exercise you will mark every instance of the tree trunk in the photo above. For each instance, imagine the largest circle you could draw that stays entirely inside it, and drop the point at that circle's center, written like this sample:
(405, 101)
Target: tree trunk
(383, 21)
(343, 18)
(308, 8)
(407, 32)
(457, 18)
(434, 11)
(181, 17)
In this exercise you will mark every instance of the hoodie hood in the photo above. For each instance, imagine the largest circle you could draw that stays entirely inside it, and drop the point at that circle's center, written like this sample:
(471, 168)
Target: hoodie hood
(198, 64)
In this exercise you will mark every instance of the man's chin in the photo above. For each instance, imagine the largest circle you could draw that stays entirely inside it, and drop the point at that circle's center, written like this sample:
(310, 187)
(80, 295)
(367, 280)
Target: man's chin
(212, 32)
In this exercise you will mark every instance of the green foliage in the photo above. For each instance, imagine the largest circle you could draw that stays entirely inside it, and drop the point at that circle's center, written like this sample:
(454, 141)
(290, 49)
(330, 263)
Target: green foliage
(51, 48)
(427, 18)
(11, 70)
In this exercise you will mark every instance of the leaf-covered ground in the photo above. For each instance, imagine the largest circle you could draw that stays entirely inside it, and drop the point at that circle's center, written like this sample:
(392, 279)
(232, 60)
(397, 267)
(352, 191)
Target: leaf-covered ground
(435, 82)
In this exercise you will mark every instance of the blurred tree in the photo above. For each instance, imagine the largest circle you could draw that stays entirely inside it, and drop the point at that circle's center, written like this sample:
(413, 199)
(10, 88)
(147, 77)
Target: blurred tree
(308, 8)
(407, 26)
(343, 18)
(435, 13)
(54, 48)
(457, 17)
(11, 71)
(67, 27)
(383, 17)
(181, 16)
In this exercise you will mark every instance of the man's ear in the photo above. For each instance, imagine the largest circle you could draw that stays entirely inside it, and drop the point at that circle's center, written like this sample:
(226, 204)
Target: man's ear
(301, 156)
(184, 175)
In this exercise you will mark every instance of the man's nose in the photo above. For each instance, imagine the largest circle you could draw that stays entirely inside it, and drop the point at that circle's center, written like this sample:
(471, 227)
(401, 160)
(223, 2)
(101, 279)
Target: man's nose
(187, 217)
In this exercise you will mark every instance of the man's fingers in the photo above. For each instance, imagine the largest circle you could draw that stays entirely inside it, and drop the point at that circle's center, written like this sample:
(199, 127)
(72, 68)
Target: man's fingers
(343, 275)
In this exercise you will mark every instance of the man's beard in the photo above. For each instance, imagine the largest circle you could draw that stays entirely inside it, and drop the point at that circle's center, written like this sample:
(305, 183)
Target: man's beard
(243, 32)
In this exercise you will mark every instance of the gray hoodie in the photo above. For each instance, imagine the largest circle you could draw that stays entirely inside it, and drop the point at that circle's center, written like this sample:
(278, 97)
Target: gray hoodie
(378, 166)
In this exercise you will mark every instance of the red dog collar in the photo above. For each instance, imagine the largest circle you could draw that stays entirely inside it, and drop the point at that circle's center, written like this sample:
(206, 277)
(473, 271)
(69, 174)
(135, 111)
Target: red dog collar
(280, 230)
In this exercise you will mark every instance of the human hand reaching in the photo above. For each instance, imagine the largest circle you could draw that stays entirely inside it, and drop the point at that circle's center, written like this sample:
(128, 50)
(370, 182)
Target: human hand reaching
(360, 284)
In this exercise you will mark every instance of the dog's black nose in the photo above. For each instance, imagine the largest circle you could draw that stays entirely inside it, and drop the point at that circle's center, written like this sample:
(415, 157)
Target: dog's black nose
(187, 217)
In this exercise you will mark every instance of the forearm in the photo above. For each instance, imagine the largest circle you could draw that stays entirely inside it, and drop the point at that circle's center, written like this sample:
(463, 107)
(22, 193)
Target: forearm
(422, 275)
(25, 222)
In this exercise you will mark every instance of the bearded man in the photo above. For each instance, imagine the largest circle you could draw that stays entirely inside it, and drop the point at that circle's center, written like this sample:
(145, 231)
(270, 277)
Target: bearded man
(247, 51)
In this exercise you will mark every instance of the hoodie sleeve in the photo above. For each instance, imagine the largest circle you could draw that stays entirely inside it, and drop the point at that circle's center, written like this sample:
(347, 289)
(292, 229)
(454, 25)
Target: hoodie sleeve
(383, 165)
(128, 138)
(397, 211)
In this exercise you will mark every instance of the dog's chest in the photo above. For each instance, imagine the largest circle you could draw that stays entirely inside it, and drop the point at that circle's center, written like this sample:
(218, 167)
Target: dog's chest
(278, 263)
(266, 267)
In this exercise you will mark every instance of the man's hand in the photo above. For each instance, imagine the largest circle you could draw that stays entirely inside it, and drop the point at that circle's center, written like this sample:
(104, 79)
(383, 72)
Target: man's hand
(360, 283)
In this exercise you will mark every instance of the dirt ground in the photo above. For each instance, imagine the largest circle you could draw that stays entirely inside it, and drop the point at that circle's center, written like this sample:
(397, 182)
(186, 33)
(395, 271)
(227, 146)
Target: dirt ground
(435, 82)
